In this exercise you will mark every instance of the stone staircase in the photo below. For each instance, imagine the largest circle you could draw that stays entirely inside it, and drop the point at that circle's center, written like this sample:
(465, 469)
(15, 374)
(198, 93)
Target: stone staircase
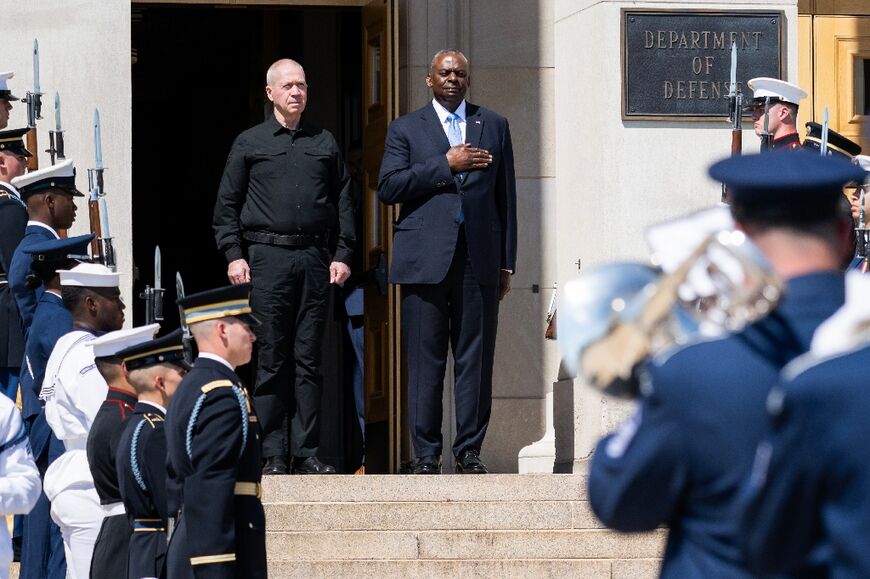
(499, 525)
(502, 525)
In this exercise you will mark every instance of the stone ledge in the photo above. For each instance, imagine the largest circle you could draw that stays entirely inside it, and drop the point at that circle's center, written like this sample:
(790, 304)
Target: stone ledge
(420, 516)
(409, 488)
(463, 545)
(432, 569)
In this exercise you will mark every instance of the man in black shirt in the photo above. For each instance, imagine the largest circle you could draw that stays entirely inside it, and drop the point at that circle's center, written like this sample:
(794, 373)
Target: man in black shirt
(285, 193)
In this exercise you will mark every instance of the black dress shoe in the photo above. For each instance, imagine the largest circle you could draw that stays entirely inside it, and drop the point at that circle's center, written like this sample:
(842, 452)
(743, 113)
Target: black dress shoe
(275, 465)
(427, 465)
(468, 462)
(310, 465)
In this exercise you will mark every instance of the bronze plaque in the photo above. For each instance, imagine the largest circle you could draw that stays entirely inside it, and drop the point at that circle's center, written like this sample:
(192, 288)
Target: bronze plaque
(677, 63)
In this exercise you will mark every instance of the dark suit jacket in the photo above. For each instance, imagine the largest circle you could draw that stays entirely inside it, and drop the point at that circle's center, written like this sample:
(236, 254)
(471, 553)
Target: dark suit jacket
(415, 173)
(13, 219)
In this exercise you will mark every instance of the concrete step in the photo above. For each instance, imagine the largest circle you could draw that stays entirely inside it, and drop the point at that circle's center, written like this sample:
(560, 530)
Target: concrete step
(383, 516)
(416, 489)
(462, 545)
(439, 569)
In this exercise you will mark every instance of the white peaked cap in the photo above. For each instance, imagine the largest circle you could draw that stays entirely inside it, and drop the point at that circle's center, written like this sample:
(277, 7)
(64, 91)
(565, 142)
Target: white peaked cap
(4, 76)
(774, 88)
(113, 342)
(89, 275)
(63, 171)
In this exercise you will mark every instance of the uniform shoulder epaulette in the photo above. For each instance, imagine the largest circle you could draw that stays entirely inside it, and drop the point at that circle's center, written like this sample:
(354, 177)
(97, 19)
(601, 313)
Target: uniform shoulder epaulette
(244, 405)
(152, 418)
(216, 384)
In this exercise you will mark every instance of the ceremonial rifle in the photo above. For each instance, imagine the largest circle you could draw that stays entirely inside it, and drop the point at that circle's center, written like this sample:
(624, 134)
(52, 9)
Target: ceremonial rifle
(153, 296)
(33, 99)
(823, 146)
(98, 211)
(766, 137)
(55, 138)
(735, 112)
(187, 337)
(735, 108)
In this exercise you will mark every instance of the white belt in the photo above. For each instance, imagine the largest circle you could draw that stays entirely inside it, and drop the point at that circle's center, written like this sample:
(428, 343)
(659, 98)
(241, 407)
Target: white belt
(113, 509)
(76, 444)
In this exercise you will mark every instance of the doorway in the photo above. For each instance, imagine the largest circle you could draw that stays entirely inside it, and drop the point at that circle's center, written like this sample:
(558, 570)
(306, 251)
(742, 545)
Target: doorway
(834, 68)
(198, 76)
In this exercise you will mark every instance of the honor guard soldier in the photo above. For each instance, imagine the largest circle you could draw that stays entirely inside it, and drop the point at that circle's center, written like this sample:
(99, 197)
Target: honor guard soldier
(774, 108)
(682, 458)
(808, 508)
(213, 439)
(49, 194)
(13, 220)
(108, 561)
(155, 370)
(42, 549)
(73, 390)
(838, 145)
(6, 98)
(19, 484)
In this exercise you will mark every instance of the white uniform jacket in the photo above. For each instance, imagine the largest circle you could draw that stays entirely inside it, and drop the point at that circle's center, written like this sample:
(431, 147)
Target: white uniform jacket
(73, 391)
(19, 478)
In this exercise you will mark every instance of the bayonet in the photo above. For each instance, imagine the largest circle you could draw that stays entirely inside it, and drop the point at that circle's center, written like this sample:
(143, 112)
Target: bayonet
(102, 245)
(735, 112)
(765, 135)
(823, 147)
(187, 337)
(33, 99)
(55, 138)
(153, 296)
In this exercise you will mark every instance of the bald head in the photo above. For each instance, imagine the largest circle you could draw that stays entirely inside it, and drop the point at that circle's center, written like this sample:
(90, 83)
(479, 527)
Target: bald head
(287, 88)
(280, 66)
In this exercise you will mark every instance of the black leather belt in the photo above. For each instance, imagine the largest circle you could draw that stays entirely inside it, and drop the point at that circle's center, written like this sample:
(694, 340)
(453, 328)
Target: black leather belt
(296, 240)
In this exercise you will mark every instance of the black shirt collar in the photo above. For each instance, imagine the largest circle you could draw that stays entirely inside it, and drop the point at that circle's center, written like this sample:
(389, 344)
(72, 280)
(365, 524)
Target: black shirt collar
(277, 128)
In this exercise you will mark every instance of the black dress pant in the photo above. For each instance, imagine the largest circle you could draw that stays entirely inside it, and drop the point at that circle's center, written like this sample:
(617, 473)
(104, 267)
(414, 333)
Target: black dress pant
(110, 550)
(462, 312)
(290, 296)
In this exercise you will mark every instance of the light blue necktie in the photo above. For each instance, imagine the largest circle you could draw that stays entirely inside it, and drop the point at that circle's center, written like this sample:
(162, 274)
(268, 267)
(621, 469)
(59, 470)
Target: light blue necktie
(454, 135)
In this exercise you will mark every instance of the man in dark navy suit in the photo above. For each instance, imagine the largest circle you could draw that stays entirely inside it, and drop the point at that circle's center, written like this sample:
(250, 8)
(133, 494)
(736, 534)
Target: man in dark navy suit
(685, 453)
(450, 164)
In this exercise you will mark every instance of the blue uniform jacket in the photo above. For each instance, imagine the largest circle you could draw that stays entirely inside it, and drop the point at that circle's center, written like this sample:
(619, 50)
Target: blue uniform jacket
(811, 482)
(681, 460)
(51, 321)
(25, 297)
(213, 443)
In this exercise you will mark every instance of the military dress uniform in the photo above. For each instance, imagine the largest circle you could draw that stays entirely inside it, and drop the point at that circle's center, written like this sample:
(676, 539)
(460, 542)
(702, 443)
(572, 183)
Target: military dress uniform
(770, 91)
(213, 439)
(19, 479)
(808, 492)
(73, 391)
(141, 464)
(60, 176)
(42, 553)
(683, 457)
(104, 437)
(13, 220)
(103, 441)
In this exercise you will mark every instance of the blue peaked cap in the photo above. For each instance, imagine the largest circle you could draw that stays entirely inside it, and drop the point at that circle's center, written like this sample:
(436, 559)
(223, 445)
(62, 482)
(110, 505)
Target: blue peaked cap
(60, 248)
(786, 185)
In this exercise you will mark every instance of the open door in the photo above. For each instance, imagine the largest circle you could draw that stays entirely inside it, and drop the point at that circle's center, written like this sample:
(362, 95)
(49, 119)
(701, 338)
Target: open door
(383, 376)
(841, 74)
